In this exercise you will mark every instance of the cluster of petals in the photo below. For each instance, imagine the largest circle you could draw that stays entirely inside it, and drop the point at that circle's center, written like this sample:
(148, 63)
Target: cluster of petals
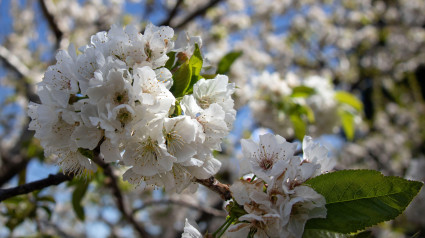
(272, 94)
(115, 96)
(276, 202)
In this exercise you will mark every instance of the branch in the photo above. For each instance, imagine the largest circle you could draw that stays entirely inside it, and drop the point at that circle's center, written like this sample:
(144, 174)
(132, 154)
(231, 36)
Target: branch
(200, 12)
(113, 184)
(52, 22)
(217, 187)
(11, 166)
(37, 185)
(14, 63)
(207, 210)
(171, 14)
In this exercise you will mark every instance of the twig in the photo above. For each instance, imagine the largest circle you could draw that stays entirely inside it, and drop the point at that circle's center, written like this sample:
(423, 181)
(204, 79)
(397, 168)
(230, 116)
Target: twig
(217, 187)
(201, 11)
(52, 22)
(11, 166)
(14, 63)
(208, 210)
(37, 185)
(113, 184)
(171, 14)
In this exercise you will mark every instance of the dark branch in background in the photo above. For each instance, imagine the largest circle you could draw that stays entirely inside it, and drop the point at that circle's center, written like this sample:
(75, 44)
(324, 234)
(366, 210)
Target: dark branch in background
(11, 166)
(207, 210)
(15, 64)
(52, 22)
(33, 186)
(113, 184)
(172, 14)
(214, 185)
(200, 12)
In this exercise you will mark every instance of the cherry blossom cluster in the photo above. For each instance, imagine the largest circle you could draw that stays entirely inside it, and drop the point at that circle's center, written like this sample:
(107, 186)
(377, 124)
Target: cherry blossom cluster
(274, 98)
(115, 97)
(275, 203)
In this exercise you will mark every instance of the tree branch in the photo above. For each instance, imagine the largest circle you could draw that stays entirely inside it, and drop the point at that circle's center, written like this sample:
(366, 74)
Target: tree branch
(11, 166)
(207, 210)
(200, 12)
(113, 184)
(171, 14)
(14, 63)
(52, 22)
(37, 185)
(217, 187)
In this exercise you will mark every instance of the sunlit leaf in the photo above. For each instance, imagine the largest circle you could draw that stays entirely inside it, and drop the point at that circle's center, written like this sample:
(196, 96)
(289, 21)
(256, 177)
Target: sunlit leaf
(349, 99)
(227, 61)
(77, 197)
(181, 79)
(302, 91)
(348, 125)
(357, 199)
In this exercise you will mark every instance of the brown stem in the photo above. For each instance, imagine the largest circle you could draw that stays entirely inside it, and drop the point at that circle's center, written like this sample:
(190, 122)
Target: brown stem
(112, 182)
(37, 185)
(172, 14)
(52, 22)
(214, 185)
(200, 12)
(207, 210)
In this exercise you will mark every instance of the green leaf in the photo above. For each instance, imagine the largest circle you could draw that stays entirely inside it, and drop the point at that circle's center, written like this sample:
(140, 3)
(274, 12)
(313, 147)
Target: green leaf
(195, 62)
(181, 78)
(227, 61)
(171, 58)
(48, 211)
(299, 126)
(77, 197)
(306, 110)
(311, 233)
(348, 125)
(46, 199)
(357, 199)
(86, 152)
(302, 92)
(349, 99)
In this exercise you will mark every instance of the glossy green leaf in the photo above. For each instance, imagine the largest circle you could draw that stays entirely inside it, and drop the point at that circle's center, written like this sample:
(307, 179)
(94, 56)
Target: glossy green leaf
(195, 62)
(302, 91)
(227, 61)
(77, 197)
(348, 125)
(349, 99)
(181, 79)
(171, 58)
(357, 199)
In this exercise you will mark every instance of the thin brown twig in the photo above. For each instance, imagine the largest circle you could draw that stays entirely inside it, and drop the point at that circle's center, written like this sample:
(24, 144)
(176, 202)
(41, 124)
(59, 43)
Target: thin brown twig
(52, 179)
(172, 13)
(52, 22)
(216, 186)
(199, 12)
(13, 62)
(208, 210)
(116, 191)
(11, 166)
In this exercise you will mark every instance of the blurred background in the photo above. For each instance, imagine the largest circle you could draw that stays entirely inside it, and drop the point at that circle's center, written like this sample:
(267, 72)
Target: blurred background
(349, 73)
